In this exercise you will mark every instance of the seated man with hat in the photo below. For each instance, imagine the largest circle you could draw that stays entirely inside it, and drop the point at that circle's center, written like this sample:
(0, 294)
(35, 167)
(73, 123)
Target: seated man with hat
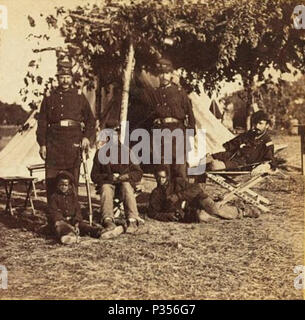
(252, 147)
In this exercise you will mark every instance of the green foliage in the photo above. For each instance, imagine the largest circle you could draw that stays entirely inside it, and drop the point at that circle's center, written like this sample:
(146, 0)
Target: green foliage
(283, 99)
(210, 41)
(295, 95)
(286, 100)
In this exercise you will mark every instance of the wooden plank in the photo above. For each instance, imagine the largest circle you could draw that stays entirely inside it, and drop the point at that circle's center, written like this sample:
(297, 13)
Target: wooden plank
(221, 181)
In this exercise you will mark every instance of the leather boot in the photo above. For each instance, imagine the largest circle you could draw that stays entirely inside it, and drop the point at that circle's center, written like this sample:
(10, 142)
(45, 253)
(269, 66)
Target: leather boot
(108, 224)
(111, 230)
(228, 212)
(69, 238)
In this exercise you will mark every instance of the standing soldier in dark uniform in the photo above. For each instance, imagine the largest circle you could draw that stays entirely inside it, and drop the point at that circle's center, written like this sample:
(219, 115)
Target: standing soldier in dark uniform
(65, 124)
(171, 109)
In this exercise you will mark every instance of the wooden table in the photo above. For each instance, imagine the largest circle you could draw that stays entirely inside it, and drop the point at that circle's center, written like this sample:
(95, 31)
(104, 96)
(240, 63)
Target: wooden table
(9, 183)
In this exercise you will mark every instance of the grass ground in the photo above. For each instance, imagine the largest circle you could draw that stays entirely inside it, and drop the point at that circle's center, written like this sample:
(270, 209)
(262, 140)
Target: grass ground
(241, 259)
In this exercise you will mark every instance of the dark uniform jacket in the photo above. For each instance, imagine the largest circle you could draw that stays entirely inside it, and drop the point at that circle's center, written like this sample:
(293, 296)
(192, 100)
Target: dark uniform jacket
(103, 173)
(247, 148)
(170, 101)
(64, 207)
(63, 142)
(110, 116)
(161, 208)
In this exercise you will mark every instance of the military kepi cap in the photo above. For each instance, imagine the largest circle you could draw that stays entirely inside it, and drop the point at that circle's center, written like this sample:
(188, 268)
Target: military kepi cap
(64, 66)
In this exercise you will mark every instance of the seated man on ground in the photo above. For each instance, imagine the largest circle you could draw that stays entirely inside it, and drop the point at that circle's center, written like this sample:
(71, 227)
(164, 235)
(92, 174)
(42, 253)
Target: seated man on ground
(116, 179)
(182, 201)
(64, 213)
(253, 146)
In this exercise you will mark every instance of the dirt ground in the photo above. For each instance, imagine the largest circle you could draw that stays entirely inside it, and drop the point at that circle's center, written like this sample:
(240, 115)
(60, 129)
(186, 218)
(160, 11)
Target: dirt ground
(246, 258)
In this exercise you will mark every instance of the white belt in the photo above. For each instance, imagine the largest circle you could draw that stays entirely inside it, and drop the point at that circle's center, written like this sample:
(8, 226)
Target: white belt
(166, 120)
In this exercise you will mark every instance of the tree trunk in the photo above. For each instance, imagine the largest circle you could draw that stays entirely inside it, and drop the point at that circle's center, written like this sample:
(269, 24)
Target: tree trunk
(125, 93)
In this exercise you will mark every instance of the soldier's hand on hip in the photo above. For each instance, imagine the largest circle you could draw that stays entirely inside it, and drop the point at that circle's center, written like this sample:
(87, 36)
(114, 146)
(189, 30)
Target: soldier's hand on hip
(43, 152)
(85, 144)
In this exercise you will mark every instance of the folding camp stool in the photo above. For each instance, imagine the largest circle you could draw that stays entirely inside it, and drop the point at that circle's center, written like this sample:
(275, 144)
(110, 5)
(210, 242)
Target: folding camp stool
(242, 190)
(9, 183)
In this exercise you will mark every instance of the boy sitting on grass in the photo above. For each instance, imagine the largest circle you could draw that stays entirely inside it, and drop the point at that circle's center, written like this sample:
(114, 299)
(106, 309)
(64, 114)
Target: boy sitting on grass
(64, 213)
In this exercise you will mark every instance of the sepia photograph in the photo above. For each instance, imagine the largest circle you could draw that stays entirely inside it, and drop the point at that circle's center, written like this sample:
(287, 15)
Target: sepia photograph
(152, 150)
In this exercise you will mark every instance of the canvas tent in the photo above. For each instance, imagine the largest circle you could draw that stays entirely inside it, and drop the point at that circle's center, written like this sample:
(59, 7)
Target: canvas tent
(216, 133)
(23, 150)
(215, 109)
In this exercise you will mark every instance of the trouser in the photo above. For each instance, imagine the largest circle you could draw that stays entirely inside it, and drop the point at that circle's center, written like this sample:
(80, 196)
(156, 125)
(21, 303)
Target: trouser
(226, 211)
(202, 201)
(64, 228)
(51, 174)
(126, 194)
(228, 161)
(209, 205)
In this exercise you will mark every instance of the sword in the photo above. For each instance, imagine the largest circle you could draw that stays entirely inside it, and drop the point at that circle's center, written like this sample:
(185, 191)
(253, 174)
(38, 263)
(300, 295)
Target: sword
(84, 157)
